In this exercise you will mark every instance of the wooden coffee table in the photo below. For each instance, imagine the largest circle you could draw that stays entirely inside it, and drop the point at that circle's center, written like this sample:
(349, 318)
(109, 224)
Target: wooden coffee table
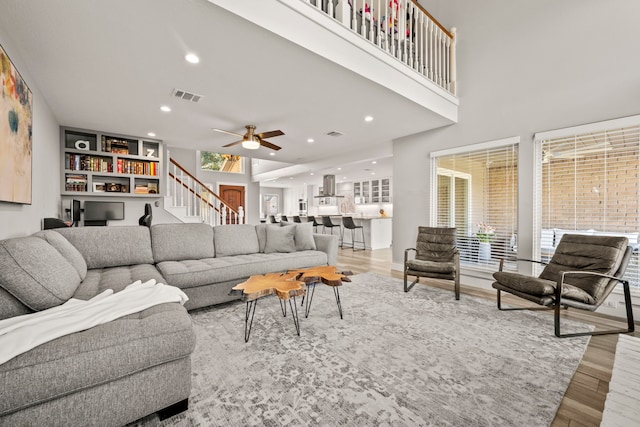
(284, 286)
(324, 274)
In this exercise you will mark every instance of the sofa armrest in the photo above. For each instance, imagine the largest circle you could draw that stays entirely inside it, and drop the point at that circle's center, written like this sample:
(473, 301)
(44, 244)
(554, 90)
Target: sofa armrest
(328, 244)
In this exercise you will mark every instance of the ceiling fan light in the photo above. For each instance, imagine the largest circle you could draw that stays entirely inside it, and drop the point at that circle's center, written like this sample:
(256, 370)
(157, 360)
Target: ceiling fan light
(251, 144)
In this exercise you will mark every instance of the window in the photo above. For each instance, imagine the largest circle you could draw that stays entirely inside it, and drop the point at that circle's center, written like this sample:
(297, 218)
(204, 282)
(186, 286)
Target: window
(587, 182)
(475, 189)
(220, 162)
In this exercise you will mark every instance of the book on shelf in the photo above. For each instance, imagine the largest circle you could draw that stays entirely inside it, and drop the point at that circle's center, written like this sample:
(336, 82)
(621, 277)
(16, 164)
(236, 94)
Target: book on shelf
(116, 146)
(141, 189)
(75, 182)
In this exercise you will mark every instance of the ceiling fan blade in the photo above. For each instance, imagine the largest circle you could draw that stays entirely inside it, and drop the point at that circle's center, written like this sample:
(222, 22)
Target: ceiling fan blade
(270, 134)
(226, 131)
(269, 145)
(233, 143)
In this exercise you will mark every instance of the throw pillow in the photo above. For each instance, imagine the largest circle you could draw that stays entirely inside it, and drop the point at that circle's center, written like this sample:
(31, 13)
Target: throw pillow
(280, 239)
(304, 237)
(35, 273)
(66, 249)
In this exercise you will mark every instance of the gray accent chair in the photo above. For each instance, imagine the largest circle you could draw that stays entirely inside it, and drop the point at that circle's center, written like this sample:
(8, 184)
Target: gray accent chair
(436, 257)
(581, 274)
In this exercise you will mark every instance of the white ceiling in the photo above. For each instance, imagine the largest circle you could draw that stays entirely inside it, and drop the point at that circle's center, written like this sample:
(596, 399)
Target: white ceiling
(110, 65)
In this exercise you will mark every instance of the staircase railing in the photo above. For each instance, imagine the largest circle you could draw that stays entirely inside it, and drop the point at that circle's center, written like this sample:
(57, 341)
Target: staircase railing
(199, 200)
(405, 30)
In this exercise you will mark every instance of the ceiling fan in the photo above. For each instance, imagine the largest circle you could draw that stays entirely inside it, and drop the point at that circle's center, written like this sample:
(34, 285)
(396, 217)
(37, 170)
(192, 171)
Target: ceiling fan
(253, 141)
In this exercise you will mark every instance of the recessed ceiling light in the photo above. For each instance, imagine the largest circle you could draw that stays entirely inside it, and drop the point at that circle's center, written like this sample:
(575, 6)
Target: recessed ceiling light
(290, 177)
(368, 119)
(311, 173)
(151, 134)
(344, 177)
(272, 154)
(165, 108)
(374, 162)
(373, 173)
(310, 140)
(192, 58)
(339, 169)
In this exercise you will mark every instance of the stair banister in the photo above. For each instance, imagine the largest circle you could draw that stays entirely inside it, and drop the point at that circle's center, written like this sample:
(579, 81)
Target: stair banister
(200, 200)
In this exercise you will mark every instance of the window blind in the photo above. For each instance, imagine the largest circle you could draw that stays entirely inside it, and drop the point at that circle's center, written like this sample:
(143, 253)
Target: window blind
(588, 183)
(476, 191)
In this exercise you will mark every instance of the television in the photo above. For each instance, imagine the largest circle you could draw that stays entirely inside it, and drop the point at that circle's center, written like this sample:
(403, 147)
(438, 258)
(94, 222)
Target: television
(75, 212)
(98, 213)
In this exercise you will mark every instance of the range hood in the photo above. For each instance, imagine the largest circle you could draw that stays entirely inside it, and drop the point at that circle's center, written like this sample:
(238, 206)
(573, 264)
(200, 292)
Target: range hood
(328, 186)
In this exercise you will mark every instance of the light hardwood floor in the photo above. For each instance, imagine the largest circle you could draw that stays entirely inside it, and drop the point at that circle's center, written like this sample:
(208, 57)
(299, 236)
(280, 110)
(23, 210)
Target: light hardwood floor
(584, 399)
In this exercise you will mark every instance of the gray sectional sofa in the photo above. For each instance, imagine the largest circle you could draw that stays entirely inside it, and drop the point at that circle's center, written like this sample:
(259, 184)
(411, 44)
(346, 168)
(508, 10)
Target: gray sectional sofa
(123, 370)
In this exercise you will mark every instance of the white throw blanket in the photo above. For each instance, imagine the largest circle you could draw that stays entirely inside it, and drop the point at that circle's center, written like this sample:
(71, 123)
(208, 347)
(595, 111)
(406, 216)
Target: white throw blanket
(22, 333)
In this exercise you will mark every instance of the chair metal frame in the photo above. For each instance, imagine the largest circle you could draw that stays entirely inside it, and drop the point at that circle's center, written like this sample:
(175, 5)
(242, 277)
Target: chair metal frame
(353, 227)
(565, 303)
(327, 223)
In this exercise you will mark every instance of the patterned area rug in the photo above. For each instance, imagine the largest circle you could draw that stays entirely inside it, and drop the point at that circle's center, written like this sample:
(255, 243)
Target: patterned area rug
(396, 359)
(622, 407)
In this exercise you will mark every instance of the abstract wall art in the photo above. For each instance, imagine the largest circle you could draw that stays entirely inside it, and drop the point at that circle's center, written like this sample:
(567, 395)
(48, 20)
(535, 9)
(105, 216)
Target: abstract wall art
(16, 121)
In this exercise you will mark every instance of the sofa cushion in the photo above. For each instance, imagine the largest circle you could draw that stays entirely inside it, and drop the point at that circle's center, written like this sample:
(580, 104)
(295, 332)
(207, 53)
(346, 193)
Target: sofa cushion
(66, 249)
(304, 235)
(175, 242)
(193, 273)
(280, 239)
(523, 283)
(99, 355)
(237, 239)
(37, 274)
(11, 306)
(116, 278)
(111, 246)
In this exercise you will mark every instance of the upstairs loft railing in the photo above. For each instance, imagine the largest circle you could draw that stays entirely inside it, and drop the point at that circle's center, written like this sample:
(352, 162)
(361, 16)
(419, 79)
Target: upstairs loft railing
(405, 30)
(199, 200)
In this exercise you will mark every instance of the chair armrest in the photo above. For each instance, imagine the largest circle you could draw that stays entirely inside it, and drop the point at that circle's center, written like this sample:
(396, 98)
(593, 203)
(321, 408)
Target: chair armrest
(406, 255)
(589, 273)
(521, 259)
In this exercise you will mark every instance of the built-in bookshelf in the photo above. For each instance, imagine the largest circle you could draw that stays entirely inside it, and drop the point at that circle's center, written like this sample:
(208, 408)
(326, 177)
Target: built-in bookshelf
(108, 164)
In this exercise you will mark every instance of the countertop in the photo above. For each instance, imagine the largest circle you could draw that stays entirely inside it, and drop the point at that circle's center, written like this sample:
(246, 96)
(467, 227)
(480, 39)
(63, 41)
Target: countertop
(361, 217)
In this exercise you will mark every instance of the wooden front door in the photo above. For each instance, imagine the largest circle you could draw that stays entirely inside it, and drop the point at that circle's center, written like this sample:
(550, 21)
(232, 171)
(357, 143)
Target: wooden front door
(233, 195)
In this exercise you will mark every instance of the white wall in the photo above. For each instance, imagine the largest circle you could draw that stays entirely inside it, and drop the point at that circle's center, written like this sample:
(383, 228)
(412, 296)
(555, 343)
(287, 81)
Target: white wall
(19, 220)
(523, 67)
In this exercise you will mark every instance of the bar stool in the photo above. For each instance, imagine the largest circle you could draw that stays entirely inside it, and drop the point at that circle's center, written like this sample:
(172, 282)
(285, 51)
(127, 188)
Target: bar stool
(326, 223)
(316, 224)
(272, 218)
(296, 218)
(283, 218)
(348, 224)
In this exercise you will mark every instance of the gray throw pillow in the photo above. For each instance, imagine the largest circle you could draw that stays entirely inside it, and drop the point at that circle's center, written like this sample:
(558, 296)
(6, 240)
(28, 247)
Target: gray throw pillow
(35, 273)
(280, 239)
(66, 249)
(304, 237)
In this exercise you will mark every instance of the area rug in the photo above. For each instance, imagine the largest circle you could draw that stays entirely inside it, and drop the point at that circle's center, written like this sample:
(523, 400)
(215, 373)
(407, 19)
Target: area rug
(622, 406)
(396, 359)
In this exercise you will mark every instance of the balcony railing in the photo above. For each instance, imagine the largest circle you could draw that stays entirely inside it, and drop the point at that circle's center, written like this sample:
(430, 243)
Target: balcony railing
(403, 29)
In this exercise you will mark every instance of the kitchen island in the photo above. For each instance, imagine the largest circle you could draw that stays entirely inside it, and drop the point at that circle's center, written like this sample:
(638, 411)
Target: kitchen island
(377, 230)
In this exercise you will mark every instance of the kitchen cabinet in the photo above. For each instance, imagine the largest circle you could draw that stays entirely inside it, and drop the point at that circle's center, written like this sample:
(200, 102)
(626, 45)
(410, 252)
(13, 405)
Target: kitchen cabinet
(372, 191)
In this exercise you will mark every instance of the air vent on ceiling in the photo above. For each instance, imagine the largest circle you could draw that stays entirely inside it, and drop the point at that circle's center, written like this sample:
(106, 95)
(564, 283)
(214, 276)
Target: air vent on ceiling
(334, 133)
(187, 96)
